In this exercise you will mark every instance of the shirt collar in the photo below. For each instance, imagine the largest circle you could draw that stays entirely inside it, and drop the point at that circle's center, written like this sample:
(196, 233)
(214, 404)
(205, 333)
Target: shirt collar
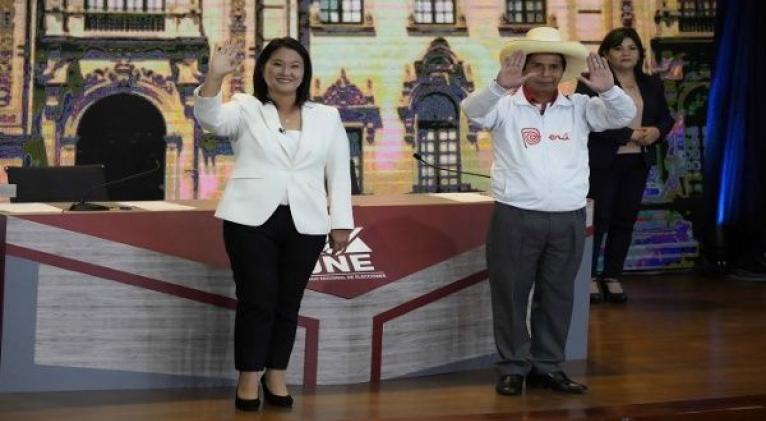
(531, 100)
(524, 96)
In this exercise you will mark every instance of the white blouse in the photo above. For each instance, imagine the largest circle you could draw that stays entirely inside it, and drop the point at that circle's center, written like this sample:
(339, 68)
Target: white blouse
(290, 139)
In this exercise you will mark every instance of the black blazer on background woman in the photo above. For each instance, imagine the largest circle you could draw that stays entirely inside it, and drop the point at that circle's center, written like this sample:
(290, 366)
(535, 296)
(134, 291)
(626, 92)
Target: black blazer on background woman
(602, 146)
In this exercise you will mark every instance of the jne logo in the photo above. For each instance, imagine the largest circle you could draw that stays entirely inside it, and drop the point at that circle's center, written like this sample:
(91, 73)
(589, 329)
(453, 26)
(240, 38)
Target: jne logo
(354, 263)
(556, 136)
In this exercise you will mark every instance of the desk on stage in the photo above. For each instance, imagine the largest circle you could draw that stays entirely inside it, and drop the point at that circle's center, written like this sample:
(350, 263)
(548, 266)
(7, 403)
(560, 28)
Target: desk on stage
(144, 299)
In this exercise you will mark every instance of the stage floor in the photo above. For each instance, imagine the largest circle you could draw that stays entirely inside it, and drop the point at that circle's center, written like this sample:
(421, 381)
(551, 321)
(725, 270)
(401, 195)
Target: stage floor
(683, 347)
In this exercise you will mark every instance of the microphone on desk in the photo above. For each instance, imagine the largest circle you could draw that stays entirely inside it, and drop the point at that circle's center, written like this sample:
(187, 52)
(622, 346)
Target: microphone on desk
(82, 205)
(420, 159)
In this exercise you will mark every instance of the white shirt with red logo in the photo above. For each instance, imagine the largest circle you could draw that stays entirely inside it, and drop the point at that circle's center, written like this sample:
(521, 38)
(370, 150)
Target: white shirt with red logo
(541, 160)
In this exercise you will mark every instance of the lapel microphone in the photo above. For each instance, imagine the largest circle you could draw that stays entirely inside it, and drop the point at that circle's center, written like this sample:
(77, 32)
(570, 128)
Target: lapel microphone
(282, 130)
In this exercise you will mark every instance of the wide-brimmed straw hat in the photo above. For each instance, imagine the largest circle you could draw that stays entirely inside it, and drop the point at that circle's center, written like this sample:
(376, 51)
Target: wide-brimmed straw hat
(545, 39)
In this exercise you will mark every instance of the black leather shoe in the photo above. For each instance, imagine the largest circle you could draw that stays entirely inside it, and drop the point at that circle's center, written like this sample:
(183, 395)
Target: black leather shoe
(557, 381)
(246, 404)
(509, 385)
(285, 401)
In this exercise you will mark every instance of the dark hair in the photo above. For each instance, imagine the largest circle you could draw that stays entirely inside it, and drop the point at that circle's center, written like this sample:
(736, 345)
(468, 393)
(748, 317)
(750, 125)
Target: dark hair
(563, 60)
(614, 39)
(261, 91)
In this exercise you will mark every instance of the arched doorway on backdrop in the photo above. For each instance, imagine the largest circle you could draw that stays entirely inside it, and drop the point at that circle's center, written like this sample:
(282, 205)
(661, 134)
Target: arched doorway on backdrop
(126, 133)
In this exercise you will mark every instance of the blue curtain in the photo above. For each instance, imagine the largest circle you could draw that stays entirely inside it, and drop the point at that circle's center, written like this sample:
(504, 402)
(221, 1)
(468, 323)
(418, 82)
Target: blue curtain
(735, 146)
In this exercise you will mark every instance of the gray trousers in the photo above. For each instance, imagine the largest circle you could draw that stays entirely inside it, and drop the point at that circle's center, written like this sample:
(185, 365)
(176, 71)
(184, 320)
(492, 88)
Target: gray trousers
(526, 248)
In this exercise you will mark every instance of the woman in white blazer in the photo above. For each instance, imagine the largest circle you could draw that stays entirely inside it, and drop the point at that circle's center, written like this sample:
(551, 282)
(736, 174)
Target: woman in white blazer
(289, 187)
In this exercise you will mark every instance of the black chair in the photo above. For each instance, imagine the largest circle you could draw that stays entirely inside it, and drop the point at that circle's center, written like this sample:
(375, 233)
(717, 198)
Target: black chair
(58, 184)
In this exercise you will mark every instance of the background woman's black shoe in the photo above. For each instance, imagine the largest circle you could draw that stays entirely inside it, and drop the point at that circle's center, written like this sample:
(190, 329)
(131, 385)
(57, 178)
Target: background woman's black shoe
(246, 404)
(275, 400)
(613, 291)
(595, 291)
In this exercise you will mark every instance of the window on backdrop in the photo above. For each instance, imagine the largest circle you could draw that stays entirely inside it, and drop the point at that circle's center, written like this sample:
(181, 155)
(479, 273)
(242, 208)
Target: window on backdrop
(435, 11)
(125, 5)
(525, 11)
(6, 22)
(697, 16)
(697, 8)
(125, 15)
(355, 147)
(439, 145)
(341, 11)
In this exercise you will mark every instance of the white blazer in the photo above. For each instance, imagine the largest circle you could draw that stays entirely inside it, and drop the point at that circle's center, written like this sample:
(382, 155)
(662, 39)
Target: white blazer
(264, 170)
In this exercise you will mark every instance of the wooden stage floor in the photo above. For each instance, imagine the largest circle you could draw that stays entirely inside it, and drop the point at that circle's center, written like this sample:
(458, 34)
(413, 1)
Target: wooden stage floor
(682, 348)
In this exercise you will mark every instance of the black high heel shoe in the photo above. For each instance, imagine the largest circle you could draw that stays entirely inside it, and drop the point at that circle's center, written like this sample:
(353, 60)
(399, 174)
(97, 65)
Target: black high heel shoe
(249, 405)
(613, 291)
(595, 291)
(275, 400)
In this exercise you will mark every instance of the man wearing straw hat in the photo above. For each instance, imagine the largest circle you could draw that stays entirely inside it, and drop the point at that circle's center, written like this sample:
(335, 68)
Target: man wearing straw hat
(539, 181)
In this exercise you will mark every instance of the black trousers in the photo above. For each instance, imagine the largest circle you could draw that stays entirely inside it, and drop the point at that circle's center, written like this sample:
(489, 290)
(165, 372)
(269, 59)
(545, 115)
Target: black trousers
(272, 264)
(617, 192)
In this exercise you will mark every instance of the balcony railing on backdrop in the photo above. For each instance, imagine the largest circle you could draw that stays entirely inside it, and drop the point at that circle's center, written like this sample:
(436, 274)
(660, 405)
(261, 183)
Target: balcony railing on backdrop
(125, 22)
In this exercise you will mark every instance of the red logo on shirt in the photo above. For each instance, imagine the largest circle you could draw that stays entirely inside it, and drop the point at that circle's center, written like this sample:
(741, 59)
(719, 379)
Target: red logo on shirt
(531, 136)
(555, 136)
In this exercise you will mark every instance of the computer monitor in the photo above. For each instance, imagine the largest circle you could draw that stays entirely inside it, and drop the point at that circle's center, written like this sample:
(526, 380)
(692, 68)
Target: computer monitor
(58, 184)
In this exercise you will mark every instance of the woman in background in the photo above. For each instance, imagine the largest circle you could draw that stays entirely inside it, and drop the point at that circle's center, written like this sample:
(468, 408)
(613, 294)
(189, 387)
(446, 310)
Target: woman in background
(620, 159)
